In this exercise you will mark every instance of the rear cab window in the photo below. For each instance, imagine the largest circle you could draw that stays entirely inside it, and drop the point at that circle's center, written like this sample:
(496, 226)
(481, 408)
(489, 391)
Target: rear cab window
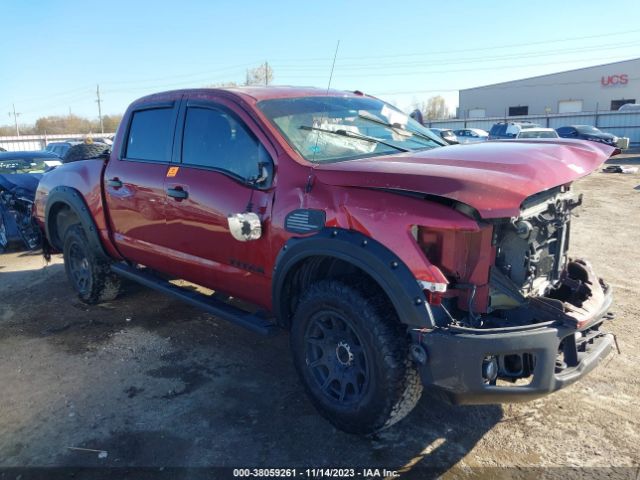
(151, 135)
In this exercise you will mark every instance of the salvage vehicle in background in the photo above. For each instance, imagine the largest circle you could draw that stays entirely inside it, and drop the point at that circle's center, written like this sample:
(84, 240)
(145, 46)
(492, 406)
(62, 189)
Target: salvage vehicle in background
(19, 176)
(446, 134)
(471, 135)
(393, 263)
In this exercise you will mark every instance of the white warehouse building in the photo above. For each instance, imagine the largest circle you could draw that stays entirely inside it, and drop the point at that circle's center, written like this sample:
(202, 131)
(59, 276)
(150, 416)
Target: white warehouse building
(598, 88)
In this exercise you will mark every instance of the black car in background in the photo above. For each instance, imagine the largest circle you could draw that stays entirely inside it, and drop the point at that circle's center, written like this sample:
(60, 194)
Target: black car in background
(587, 132)
(446, 134)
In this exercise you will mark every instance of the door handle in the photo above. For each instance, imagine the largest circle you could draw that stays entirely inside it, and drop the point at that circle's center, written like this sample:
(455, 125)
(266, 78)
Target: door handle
(114, 182)
(178, 193)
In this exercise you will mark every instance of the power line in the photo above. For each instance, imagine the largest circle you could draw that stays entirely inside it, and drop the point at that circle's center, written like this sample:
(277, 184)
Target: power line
(499, 58)
(477, 49)
(430, 72)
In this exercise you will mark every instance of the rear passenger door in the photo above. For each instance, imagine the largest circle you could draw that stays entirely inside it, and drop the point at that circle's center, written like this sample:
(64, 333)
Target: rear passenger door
(221, 150)
(134, 184)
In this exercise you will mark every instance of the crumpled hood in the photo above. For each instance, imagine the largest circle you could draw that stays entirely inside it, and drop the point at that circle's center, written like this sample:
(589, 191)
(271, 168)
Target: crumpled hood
(492, 177)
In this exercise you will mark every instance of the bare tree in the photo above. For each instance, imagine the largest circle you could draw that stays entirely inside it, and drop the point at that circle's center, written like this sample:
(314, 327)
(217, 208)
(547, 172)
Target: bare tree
(260, 75)
(436, 108)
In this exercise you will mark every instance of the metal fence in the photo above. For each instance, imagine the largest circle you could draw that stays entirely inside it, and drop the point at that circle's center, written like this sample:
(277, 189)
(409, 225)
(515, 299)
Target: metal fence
(22, 143)
(621, 124)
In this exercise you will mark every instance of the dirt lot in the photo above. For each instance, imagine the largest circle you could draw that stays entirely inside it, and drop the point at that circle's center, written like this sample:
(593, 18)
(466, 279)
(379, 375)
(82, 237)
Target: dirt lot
(155, 383)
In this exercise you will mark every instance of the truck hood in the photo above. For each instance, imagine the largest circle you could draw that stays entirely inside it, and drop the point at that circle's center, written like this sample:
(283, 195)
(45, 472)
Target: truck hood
(492, 177)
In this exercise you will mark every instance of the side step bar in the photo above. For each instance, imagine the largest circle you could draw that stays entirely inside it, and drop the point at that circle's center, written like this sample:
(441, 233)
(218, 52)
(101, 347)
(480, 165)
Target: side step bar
(252, 321)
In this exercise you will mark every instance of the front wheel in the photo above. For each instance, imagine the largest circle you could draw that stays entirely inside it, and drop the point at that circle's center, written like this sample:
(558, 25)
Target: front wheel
(352, 356)
(90, 276)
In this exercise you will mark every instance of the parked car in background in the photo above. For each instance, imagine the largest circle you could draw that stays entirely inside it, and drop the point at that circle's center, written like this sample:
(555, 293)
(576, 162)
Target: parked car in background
(537, 133)
(446, 134)
(60, 148)
(630, 107)
(587, 132)
(471, 135)
(509, 129)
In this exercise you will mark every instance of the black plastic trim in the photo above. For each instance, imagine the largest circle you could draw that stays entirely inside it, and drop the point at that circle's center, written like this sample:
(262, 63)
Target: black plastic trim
(252, 321)
(391, 274)
(74, 200)
(454, 360)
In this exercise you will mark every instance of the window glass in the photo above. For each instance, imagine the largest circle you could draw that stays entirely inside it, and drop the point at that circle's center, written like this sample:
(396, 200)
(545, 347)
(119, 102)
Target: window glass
(515, 111)
(616, 104)
(337, 128)
(215, 139)
(150, 135)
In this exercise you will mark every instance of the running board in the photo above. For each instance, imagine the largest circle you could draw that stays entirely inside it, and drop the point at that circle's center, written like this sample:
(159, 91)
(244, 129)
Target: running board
(252, 321)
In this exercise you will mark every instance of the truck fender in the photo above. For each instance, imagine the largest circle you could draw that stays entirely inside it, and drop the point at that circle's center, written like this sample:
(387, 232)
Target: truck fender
(73, 199)
(370, 256)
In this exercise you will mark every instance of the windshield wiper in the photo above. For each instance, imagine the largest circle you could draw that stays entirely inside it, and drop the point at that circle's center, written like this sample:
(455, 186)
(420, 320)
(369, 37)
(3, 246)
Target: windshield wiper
(396, 126)
(349, 134)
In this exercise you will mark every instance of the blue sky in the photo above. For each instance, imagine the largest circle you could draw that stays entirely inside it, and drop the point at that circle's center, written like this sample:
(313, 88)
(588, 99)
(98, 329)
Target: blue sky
(53, 53)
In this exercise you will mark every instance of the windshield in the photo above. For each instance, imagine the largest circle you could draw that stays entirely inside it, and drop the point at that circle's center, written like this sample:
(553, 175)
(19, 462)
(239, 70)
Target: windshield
(587, 129)
(538, 134)
(330, 129)
(23, 165)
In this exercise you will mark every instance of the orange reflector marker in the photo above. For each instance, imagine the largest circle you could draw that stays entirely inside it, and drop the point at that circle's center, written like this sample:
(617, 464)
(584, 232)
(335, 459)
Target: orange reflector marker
(173, 171)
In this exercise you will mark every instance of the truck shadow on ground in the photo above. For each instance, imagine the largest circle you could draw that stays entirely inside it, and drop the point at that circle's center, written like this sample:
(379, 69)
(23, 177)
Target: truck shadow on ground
(216, 395)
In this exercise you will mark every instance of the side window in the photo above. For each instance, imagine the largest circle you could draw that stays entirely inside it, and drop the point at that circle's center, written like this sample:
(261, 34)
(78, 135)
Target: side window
(215, 139)
(150, 135)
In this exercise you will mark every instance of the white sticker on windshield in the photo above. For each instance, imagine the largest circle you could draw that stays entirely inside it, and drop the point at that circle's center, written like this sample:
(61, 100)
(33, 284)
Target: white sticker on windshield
(394, 116)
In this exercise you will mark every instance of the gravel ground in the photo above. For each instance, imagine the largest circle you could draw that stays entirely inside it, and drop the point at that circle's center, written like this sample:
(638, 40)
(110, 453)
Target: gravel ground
(155, 383)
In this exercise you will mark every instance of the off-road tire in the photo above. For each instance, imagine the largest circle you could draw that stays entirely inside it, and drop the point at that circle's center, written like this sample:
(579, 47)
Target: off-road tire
(83, 151)
(393, 386)
(90, 276)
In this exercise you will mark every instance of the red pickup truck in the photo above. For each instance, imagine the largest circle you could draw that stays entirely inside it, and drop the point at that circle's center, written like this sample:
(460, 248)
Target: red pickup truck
(393, 261)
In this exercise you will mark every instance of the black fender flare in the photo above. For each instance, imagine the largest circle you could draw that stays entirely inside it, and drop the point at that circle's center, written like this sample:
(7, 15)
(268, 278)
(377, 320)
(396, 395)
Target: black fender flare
(75, 201)
(370, 256)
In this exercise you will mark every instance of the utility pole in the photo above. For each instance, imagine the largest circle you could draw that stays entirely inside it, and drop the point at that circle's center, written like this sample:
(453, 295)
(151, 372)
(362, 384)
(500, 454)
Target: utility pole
(15, 118)
(99, 102)
(266, 73)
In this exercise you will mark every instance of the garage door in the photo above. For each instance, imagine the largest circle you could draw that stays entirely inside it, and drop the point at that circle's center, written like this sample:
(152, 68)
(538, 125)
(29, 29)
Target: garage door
(569, 106)
(477, 113)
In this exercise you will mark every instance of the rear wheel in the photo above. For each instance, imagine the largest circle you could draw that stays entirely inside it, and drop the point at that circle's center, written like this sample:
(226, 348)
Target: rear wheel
(352, 356)
(90, 276)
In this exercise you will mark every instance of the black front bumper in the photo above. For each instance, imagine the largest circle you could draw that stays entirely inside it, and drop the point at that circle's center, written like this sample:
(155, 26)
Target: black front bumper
(455, 357)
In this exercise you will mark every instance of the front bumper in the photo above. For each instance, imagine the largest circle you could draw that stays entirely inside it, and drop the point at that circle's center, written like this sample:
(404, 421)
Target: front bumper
(454, 358)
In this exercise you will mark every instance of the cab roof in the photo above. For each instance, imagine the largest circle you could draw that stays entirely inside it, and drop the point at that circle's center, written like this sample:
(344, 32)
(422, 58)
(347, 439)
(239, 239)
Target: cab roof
(257, 93)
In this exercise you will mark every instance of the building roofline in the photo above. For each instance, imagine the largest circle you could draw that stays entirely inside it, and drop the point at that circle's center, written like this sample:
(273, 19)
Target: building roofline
(549, 74)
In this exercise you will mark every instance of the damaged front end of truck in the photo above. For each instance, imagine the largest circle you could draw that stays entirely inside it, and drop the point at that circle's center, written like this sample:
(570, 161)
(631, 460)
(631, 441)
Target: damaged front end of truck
(534, 327)
(512, 315)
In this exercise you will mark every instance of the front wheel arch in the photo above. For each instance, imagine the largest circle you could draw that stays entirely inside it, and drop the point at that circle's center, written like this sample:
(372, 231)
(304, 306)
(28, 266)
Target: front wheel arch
(306, 256)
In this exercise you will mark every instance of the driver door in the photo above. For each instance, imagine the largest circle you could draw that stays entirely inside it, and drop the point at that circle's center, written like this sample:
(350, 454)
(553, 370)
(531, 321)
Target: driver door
(219, 156)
